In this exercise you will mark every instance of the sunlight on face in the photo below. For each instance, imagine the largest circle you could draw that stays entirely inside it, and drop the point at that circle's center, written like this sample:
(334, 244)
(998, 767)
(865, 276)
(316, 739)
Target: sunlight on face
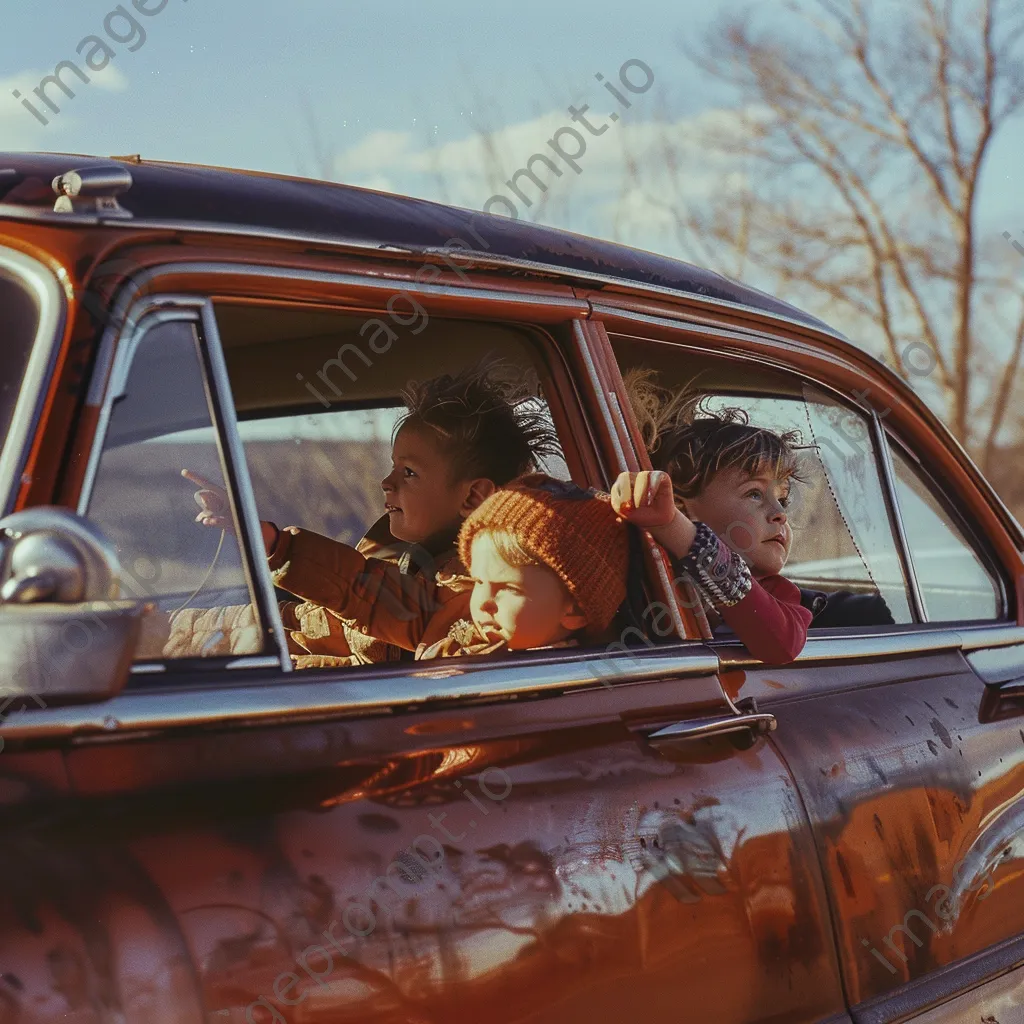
(749, 514)
(526, 606)
(420, 496)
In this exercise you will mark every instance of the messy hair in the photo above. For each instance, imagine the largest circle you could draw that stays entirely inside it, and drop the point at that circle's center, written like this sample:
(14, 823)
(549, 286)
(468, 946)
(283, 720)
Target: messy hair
(693, 443)
(489, 426)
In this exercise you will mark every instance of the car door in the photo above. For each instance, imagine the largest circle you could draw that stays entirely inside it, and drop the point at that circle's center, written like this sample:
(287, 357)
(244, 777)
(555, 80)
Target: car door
(904, 738)
(562, 835)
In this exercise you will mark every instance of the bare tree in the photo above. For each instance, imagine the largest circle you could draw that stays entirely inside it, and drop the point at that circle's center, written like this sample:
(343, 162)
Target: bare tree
(854, 162)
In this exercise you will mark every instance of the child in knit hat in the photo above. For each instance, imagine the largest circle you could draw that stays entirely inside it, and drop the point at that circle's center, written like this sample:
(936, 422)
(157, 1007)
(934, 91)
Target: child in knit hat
(548, 563)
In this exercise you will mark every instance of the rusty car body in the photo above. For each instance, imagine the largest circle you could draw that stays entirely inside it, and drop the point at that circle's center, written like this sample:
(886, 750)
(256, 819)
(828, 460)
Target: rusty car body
(662, 829)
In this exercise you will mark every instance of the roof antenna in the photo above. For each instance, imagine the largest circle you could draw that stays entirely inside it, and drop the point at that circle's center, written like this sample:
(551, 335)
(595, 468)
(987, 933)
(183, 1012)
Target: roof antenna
(92, 190)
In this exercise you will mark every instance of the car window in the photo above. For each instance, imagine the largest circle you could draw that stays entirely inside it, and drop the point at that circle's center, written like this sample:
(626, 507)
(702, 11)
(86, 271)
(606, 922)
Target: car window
(954, 581)
(845, 552)
(317, 396)
(161, 423)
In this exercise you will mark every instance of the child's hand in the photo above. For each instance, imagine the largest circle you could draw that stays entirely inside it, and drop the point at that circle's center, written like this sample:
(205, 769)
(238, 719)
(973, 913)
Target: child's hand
(644, 499)
(213, 503)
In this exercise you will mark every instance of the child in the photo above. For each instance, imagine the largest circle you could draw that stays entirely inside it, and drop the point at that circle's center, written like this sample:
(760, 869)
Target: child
(461, 436)
(718, 505)
(547, 561)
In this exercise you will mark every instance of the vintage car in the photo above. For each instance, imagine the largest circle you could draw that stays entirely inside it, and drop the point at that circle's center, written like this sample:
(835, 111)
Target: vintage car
(657, 828)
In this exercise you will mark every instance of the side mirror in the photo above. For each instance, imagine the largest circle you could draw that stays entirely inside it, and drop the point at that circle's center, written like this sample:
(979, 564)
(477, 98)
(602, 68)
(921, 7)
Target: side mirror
(64, 634)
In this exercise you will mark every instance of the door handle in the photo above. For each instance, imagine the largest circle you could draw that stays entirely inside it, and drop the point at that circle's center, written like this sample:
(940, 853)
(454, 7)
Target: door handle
(743, 728)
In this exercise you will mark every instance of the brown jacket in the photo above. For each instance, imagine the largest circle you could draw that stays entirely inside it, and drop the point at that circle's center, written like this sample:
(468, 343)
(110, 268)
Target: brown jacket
(421, 612)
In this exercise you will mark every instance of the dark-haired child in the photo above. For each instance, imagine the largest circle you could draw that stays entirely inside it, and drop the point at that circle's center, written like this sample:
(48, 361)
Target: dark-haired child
(717, 503)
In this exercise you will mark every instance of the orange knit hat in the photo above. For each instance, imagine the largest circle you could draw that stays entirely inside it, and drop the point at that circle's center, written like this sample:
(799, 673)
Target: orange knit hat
(572, 531)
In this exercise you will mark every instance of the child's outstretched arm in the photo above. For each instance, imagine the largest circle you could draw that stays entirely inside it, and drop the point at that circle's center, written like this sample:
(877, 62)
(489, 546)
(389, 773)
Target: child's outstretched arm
(382, 601)
(767, 617)
(374, 594)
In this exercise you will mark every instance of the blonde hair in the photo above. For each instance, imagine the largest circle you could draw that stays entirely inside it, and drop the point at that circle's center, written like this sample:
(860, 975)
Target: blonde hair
(510, 548)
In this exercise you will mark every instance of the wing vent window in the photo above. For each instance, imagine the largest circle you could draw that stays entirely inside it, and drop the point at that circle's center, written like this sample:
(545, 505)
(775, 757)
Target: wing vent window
(161, 423)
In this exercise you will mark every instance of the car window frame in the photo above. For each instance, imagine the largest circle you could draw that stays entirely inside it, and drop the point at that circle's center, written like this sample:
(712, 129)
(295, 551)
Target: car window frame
(35, 381)
(830, 643)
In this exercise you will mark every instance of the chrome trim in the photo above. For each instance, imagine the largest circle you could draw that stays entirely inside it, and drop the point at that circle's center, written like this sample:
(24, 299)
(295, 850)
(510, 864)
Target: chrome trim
(361, 247)
(973, 638)
(758, 722)
(891, 643)
(33, 385)
(600, 309)
(308, 696)
(595, 381)
(257, 661)
(732, 654)
(386, 285)
(121, 358)
(226, 430)
(917, 605)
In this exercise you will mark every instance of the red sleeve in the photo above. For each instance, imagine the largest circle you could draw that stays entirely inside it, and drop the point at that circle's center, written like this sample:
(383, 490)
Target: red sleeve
(770, 620)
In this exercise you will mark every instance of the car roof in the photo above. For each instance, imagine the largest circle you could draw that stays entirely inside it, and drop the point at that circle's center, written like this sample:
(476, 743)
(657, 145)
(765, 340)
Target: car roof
(183, 194)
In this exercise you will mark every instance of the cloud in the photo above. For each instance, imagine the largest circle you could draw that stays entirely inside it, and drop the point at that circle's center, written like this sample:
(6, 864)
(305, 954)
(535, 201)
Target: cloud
(20, 130)
(110, 78)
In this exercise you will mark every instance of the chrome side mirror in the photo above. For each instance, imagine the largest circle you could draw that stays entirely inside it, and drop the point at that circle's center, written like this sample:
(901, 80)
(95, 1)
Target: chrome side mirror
(64, 633)
(53, 555)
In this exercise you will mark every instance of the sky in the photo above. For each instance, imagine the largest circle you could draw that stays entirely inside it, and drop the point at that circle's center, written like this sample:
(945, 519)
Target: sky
(391, 95)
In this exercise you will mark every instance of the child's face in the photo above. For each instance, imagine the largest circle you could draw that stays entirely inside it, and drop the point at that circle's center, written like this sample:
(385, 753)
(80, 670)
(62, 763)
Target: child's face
(749, 513)
(526, 606)
(420, 496)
